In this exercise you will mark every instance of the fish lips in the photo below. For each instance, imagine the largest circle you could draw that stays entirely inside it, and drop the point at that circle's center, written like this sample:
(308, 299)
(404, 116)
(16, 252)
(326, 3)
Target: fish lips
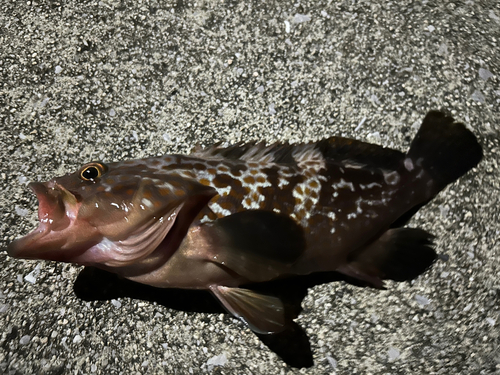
(56, 205)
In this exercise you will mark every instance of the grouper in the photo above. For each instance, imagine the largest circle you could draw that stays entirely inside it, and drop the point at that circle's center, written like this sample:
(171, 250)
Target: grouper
(226, 218)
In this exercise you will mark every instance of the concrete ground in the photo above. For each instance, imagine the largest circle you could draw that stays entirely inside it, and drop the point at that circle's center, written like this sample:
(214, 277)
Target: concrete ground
(110, 79)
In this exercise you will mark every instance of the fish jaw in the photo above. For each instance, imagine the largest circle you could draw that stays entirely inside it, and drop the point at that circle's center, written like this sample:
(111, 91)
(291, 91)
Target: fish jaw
(59, 235)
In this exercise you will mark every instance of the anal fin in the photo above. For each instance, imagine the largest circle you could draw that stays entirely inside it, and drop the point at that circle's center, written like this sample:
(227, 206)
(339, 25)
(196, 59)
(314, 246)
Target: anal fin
(264, 314)
(400, 254)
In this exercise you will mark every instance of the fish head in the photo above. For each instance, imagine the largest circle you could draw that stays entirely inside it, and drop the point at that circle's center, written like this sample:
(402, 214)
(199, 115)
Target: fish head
(111, 214)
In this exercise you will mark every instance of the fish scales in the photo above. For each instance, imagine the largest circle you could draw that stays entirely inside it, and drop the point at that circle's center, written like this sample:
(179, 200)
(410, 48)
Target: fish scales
(328, 194)
(226, 218)
(291, 189)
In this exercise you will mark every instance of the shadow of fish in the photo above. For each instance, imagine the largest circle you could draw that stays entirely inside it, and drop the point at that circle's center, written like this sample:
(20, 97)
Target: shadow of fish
(225, 217)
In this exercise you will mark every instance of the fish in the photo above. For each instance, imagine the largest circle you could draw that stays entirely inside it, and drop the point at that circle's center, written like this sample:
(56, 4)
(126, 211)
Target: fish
(225, 218)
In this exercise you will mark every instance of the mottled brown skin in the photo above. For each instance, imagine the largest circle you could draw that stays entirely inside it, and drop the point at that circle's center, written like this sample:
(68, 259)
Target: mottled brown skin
(224, 217)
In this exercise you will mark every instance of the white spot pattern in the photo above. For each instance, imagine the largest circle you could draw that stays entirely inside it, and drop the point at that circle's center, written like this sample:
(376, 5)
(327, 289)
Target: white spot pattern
(353, 164)
(205, 219)
(218, 210)
(391, 178)
(223, 192)
(254, 198)
(358, 202)
(343, 184)
(369, 186)
(252, 180)
(306, 195)
(409, 164)
(284, 175)
(332, 216)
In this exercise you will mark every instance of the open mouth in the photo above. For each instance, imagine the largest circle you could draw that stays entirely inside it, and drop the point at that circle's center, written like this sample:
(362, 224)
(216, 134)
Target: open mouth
(51, 216)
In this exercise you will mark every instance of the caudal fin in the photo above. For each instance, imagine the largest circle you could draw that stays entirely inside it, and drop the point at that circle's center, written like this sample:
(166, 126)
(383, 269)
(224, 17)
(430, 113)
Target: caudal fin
(444, 148)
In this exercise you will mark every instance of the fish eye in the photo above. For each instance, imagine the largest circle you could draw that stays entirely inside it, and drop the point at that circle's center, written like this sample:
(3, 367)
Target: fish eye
(92, 171)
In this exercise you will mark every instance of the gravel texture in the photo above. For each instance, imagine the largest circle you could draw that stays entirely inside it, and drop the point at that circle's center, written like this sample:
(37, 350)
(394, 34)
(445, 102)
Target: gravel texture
(108, 80)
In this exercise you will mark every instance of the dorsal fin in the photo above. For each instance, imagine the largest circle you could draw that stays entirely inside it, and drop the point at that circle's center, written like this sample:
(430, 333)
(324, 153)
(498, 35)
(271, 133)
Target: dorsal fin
(363, 153)
(217, 151)
(252, 151)
(337, 149)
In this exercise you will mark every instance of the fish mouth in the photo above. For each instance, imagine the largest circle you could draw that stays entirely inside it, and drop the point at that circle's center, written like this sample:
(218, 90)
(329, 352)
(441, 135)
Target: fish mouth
(56, 207)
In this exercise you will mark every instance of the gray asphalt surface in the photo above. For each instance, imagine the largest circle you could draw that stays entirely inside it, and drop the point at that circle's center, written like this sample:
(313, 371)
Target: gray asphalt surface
(85, 80)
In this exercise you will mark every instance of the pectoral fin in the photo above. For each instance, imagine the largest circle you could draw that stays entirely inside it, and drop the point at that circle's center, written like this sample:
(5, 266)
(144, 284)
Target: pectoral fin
(264, 314)
(258, 245)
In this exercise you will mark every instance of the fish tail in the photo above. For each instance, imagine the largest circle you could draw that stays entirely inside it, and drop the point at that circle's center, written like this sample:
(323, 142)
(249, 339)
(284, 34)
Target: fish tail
(444, 148)
(400, 254)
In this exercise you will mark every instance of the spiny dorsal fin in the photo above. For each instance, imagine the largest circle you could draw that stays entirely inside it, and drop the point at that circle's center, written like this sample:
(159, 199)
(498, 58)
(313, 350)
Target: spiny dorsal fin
(252, 151)
(236, 151)
(337, 149)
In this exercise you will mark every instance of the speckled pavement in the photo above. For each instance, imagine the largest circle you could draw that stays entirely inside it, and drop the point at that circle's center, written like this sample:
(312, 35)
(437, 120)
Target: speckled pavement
(85, 80)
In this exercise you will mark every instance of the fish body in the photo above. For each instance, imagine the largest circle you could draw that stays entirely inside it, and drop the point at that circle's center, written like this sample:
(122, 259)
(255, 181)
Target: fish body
(222, 218)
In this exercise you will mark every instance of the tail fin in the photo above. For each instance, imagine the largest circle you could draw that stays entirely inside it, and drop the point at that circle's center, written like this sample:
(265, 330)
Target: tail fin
(446, 149)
